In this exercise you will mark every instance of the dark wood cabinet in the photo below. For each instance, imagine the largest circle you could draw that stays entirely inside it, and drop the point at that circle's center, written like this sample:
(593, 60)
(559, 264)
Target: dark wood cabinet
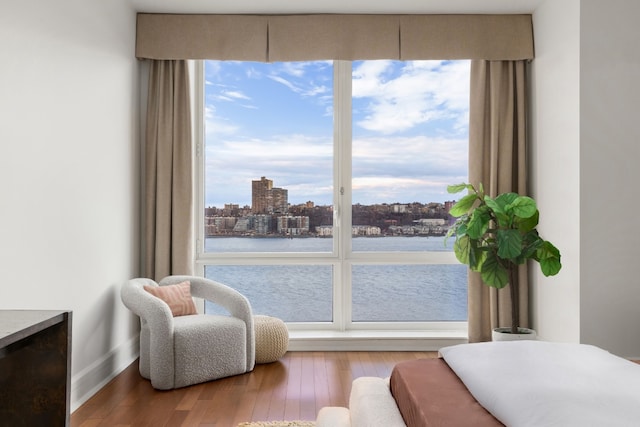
(35, 367)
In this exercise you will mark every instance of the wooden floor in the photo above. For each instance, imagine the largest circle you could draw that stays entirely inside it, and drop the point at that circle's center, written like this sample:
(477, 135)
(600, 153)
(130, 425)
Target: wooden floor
(294, 388)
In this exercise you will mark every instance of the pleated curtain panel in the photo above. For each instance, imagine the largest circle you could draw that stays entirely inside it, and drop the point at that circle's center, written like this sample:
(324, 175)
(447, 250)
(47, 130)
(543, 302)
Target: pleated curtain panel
(498, 45)
(497, 158)
(168, 167)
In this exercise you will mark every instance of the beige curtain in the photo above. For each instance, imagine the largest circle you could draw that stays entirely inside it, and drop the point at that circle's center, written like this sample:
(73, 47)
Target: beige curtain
(497, 158)
(168, 172)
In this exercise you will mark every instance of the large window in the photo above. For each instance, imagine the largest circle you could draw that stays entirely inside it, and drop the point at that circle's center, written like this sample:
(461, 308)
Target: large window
(324, 189)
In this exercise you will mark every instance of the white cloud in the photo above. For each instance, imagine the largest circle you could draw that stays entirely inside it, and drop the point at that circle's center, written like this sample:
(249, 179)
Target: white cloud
(296, 69)
(234, 94)
(407, 169)
(215, 125)
(299, 163)
(306, 88)
(389, 167)
(419, 93)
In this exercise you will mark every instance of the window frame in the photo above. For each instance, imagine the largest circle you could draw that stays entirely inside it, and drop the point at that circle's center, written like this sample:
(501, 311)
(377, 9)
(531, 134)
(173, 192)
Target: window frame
(342, 258)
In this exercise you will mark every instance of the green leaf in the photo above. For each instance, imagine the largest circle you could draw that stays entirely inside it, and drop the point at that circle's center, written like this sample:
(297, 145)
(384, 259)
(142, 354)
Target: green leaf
(531, 242)
(527, 224)
(463, 205)
(493, 273)
(452, 232)
(458, 229)
(524, 207)
(509, 243)
(461, 249)
(478, 223)
(459, 187)
(506, 200)
(477, 254)
(493, 205)
(548, 251)
(461, 230)
(503, 220)
(550, 266)
(549, 259)
(499, 207)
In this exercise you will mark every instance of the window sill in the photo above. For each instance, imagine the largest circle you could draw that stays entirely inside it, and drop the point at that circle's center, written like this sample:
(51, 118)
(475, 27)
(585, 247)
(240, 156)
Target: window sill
(371, 340)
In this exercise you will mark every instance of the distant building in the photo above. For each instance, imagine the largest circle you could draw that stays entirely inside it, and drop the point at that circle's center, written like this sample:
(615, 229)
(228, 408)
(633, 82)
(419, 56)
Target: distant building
(431, 222)
(262, 224)
(261, 196)
(231, 209)
(448, 205)
(280, 200)
(293, 225)
(398, 208)
(265, 199)
(365, 230)
(243, 225)
(324, 230)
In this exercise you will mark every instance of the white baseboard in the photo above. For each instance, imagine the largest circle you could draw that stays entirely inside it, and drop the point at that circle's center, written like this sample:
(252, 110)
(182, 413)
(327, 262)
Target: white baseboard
(90, 380)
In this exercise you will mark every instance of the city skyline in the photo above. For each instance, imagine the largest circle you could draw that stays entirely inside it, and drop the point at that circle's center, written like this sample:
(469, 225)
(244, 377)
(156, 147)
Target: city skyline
(260, 204)
(409, 130)
(271, 215)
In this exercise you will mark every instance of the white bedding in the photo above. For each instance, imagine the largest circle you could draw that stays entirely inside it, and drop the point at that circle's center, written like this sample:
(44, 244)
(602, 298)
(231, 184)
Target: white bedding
(543, 384)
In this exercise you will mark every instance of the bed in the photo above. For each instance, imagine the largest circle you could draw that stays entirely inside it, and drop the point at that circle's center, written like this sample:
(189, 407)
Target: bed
(428, 393)
(519, 383)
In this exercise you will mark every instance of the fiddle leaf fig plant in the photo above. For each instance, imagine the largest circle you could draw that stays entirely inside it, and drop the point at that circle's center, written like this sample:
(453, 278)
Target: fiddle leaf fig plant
(493, 236)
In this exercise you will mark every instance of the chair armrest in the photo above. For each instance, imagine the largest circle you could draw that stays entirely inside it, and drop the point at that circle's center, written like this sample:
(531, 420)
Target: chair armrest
(145, 305)
(216, 292)
(156, 315)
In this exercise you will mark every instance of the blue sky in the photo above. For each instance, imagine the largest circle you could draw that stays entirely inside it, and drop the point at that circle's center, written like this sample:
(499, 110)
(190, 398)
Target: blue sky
(410, 130)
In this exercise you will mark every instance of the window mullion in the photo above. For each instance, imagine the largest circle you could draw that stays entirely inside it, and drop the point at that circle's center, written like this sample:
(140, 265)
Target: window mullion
(342, 193)
(199, 158)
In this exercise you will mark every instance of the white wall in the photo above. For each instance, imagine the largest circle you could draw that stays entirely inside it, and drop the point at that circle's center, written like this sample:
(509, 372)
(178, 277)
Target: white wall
(586, 146)
(609, 174)
(555, 166)
(68, 172)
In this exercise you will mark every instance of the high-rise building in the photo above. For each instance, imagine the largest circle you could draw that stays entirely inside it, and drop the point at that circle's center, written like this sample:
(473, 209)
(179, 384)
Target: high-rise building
(261, 195)
(265, 199)
(280, 200)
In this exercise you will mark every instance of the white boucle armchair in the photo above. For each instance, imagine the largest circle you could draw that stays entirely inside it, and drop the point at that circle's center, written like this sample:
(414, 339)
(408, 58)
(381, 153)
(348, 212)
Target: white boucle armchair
(180, 351)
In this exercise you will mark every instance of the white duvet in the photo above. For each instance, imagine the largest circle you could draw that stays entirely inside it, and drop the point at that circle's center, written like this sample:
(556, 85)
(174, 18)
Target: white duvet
(543, 384)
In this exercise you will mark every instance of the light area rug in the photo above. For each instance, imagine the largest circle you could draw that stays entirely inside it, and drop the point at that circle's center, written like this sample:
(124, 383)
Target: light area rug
(278, 424)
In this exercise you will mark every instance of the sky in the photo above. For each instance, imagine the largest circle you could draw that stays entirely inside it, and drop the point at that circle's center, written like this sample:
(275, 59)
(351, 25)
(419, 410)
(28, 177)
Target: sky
(409, 130)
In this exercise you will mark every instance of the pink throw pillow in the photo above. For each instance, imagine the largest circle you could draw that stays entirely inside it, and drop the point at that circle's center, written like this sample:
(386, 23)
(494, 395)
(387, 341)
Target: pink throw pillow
(178, 297)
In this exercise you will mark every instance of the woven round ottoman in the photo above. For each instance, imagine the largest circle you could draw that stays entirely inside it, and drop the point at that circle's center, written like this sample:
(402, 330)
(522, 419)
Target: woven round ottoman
(272, 338)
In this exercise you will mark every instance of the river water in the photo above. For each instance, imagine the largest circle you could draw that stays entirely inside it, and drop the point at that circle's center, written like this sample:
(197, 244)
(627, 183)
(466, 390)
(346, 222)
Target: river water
(380, 293)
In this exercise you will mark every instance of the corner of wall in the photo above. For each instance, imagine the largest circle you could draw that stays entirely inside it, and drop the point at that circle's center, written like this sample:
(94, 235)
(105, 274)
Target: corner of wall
(555, 158)
(90, 380)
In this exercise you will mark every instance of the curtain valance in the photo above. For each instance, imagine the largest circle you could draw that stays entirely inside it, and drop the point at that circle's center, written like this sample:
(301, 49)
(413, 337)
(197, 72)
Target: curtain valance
(270, 38)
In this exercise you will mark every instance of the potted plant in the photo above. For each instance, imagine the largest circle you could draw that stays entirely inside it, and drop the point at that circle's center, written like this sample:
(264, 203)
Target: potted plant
(495, 236)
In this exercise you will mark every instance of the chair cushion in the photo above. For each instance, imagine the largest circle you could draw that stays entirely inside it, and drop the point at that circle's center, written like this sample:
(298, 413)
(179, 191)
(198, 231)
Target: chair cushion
(177, 296)
(208, 347)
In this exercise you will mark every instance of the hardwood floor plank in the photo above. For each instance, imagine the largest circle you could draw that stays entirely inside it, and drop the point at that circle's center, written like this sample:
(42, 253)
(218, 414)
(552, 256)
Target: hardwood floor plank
(320, 381)
(296, 387)
(307, 398)
(191, 396)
